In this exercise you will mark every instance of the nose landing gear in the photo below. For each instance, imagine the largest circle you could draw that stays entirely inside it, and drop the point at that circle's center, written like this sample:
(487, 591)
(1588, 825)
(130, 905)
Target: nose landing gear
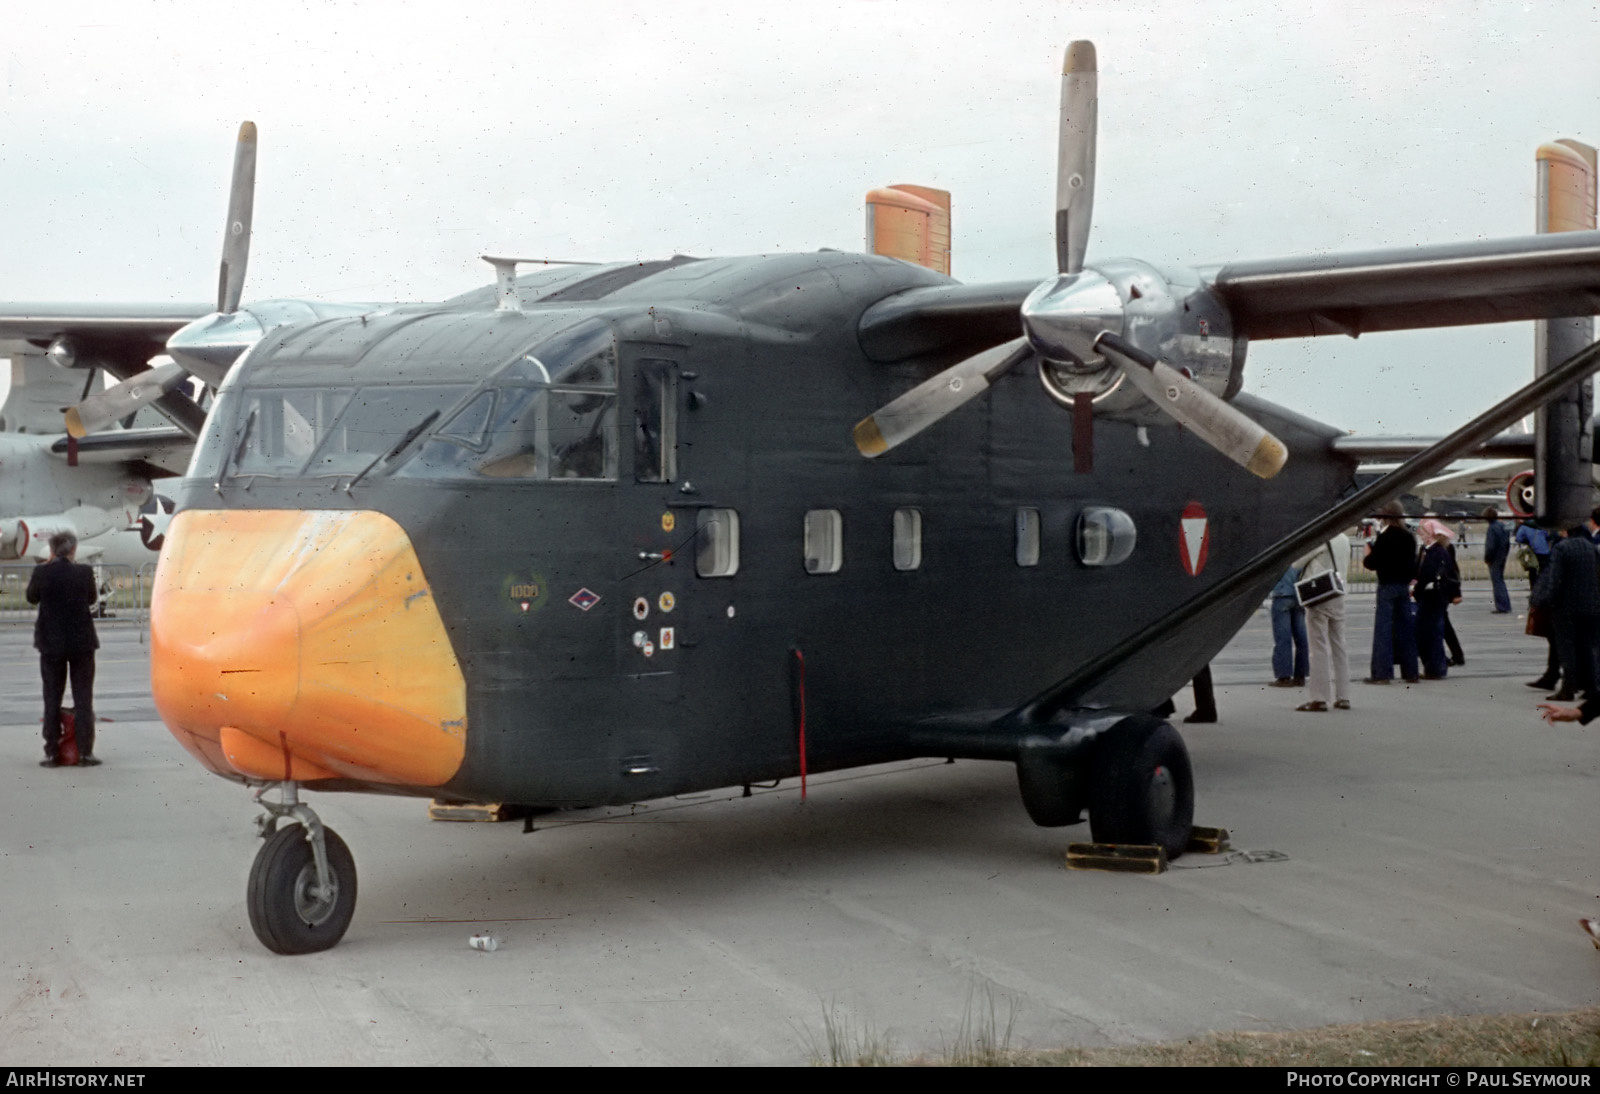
(302, 890)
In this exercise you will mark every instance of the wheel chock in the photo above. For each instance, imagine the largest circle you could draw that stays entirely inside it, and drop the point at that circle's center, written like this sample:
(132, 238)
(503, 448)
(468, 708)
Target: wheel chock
(1207, 841)
(1128, 858)
(470, 811)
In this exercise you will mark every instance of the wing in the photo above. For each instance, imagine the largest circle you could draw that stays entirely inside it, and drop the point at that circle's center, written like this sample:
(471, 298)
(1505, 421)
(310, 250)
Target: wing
(125, 332)
(1454, 284)
(120, 338)
(1486, 478)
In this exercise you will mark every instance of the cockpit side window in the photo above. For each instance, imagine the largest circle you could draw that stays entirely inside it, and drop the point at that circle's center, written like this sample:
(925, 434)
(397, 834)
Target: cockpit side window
(551, 415)
(470, 425)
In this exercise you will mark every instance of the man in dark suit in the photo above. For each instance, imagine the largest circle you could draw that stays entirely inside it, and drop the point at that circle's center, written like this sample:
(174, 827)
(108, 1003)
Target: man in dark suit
(1569, 589)
(64, 636)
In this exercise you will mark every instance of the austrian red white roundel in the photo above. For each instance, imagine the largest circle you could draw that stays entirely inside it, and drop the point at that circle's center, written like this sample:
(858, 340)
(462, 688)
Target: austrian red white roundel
(1194, 538)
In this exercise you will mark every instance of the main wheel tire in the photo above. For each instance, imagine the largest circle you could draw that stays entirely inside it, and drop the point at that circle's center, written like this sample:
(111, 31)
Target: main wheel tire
(286, 911)
(1142, 790)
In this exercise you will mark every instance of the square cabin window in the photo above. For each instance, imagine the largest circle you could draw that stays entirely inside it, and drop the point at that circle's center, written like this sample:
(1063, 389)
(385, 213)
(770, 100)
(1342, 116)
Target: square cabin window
(907, 539)
(1027, 537)
(717, 552)
(824, 541)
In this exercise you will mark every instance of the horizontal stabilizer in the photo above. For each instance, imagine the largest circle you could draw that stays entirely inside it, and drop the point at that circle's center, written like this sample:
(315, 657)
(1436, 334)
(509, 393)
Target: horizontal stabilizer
(169, 449)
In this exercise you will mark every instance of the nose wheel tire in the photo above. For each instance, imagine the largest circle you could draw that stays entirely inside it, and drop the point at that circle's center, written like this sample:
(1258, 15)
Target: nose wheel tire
(1142, 789)
(289, 910)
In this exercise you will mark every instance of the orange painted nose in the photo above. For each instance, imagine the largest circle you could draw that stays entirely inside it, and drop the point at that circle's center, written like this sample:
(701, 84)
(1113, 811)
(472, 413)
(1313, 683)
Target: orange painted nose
(292, 644)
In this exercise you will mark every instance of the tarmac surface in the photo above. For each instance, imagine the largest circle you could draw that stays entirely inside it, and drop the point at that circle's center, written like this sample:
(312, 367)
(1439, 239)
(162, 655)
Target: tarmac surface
(1437, 859)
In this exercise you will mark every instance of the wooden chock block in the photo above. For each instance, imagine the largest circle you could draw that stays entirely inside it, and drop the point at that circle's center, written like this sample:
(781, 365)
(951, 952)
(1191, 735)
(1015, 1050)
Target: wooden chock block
(1128, 858)
(1207, 841)
(470, 811)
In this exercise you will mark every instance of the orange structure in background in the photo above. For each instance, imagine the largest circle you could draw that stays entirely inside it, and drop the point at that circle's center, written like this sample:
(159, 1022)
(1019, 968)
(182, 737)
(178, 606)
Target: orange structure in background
(304, 645)
(910, 223)
(1566, 186)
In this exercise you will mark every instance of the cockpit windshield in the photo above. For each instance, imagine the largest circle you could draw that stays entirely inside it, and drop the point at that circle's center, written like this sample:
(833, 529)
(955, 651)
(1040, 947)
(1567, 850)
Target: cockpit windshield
(548, 414)
(312, 432)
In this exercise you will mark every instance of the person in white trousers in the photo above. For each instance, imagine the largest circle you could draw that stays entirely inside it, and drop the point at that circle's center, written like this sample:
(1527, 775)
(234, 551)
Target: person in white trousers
(1329, 681)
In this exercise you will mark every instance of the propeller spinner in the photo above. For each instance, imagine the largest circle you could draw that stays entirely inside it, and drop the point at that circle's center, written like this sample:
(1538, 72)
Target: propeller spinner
(1091, 327)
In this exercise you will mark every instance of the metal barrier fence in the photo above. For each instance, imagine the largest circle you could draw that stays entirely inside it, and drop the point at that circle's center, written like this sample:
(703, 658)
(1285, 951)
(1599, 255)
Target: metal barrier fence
(1472, 567)
(124, 595)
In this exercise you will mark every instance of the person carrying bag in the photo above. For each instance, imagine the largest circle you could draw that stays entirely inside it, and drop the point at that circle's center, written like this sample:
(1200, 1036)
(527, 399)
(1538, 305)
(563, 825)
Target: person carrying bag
(1321, 589)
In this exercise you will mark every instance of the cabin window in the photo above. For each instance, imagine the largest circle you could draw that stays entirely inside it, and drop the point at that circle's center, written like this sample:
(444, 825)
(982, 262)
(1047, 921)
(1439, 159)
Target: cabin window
(824, 541)
(717, 536)
(655, 422)
(907, 539)
(1027, 537)
(1105, 536)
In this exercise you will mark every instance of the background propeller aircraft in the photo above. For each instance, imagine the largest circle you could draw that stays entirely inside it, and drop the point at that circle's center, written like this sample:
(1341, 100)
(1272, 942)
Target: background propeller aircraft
(597, 534)
(102, 492)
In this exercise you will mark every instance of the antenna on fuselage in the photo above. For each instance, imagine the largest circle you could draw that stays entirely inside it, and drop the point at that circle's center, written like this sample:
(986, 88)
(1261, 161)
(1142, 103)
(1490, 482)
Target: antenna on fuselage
(505, 276)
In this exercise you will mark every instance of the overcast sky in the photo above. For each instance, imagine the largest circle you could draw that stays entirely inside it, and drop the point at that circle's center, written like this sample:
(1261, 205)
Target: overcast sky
(401, 140)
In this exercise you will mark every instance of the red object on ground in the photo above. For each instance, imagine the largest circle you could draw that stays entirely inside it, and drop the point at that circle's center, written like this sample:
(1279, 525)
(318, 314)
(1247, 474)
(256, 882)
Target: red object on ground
(67, 747)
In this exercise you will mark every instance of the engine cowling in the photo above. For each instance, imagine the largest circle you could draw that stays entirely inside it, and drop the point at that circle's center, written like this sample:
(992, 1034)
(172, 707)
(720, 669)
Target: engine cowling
(29, 537)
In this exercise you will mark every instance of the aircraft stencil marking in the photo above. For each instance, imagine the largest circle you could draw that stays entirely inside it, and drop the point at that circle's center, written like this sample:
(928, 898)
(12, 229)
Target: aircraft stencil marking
(1195, 534)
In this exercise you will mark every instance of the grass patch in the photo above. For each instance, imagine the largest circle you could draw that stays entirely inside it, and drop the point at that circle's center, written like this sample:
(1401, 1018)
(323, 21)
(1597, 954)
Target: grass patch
(1492, 1040)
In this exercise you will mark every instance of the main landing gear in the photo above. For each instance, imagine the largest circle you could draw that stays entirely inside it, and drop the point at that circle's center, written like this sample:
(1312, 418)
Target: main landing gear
(1142, 790)
(302, 890)
(1134, 779)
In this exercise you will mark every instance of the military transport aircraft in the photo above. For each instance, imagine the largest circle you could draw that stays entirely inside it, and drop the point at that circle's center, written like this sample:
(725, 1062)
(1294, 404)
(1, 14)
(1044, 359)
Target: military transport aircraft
(598, 534)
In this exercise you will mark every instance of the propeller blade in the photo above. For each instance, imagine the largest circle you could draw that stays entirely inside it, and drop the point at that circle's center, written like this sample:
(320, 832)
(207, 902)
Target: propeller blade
(241, 206)
(1080, 105)
(934, 398)
(1210, 418)
(99, 411)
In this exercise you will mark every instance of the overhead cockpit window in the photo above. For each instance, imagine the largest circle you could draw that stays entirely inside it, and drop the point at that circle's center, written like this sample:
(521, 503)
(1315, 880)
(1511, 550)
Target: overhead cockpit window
(1105, 536)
